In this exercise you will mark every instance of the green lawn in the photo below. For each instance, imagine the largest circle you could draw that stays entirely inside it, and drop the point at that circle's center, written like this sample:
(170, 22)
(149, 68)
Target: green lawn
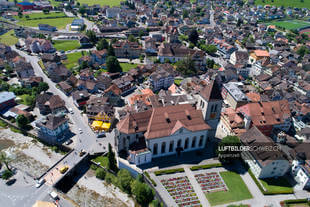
(59, 23)
(237, 190)
(178, 81)
(101, 2)
(128, 66)
(8, 38)
(72, 59)
(290, 24)
(276, 185)
(66, 45)
(53, 2)
(285, 3)
(104, 161)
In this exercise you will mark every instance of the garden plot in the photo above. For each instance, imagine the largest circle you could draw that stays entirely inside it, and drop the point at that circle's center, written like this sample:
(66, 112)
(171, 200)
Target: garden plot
(211, 182)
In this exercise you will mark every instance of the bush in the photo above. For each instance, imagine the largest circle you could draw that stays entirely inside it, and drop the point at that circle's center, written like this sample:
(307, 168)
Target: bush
(142, 192)
(7, 174)
(93, 167)
(124, 179)
(170, 171)
(149, 177)
(200, 167)
(110, 178)
(100, 173)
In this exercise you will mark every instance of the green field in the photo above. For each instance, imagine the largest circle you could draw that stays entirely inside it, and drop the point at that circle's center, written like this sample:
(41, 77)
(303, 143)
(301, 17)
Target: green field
(53, 2)
(128, 66)
(57, 19)
(285, 3)
(72, 59)
(290, 24)
(101, 2)
(66, 45)
(104, 161)
(237, 190)
(276, 185)
(8, 38)
(41, 15)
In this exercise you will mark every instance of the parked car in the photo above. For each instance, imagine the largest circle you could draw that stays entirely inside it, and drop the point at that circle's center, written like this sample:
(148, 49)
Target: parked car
(70, 110)
(80, 130)
(10, 182)
(63, 169)
(68, 142)
(102, 134)
(40, 182)
(54, 195)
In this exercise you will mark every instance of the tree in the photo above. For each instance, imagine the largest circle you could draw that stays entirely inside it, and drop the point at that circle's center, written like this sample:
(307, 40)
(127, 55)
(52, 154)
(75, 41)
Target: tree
(91, 36)
(4, 159)
(20, 14)
(210, 63)
(185, 14)
(142, 192)
(100, 173)
(113, 65)
(227, 155)
(102, 44)
(131, 38)
(186, 66)
(156, 203)
(124, 180)
(82, 10)
(111, 50)
(210, 49)
(21, 121)
(112, 161)
(29, 100)
(43, 87)
(303, 50)
(193, 36)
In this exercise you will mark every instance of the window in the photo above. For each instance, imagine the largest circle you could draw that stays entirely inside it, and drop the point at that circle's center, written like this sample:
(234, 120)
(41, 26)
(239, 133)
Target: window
(186, 143)
(179, 143)
(200, 141)
(194, 142)
(171, 146)
(155, 149)
(163, 147)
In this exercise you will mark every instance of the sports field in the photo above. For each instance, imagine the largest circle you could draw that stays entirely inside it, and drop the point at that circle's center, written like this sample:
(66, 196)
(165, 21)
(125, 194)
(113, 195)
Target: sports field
(66, 45)
(101, 2)
(285, 3)
(290, 24)
(57, 19)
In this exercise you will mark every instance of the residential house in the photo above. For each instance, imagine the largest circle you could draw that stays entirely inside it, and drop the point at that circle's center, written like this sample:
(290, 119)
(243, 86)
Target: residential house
(49, 103)
(233, 95)
(46, 27)
(160, 132)
(89, 85)
(56, 72)
(268, 115)
(7, 100)
(36, 45)
(53, 129)
(77, 24)
(239, 58)
(162, 78)
(80, 98)
(125, 84)
(301, 166)
(176, 52)
(223, 48)
(263, 163)
(65, 87)
(126, 49)
(99, 57)
(99, 106)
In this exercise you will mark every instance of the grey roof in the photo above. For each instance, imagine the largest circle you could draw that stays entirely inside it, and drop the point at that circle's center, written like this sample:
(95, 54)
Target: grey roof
(5, 96)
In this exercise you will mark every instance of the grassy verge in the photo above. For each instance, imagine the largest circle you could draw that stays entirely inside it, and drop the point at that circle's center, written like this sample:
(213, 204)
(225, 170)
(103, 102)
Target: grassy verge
(66, 45)
(201, 167)
(149, 177)
(3, 124)
(170, 171)
(59, 23)
(237, 190)
(8, 38)
(287, 3)
(272, 186)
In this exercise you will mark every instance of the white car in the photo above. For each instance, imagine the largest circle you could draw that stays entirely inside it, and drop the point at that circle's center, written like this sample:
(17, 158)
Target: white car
(70, 110)
(80, 130)
(54, 195)
(40, 182)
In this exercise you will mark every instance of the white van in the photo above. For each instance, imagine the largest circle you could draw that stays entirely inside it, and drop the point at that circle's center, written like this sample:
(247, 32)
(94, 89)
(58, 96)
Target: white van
(40, 182)
(54, 195)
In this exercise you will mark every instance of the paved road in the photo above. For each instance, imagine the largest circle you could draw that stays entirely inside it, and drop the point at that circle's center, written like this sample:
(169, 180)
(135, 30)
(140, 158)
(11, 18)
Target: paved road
(23, 193)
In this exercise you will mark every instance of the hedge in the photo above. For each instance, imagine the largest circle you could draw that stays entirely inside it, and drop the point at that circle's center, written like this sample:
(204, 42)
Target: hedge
(171, 171)
(201, 167)
(287, 203)
(149, 177)
(259, 185)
